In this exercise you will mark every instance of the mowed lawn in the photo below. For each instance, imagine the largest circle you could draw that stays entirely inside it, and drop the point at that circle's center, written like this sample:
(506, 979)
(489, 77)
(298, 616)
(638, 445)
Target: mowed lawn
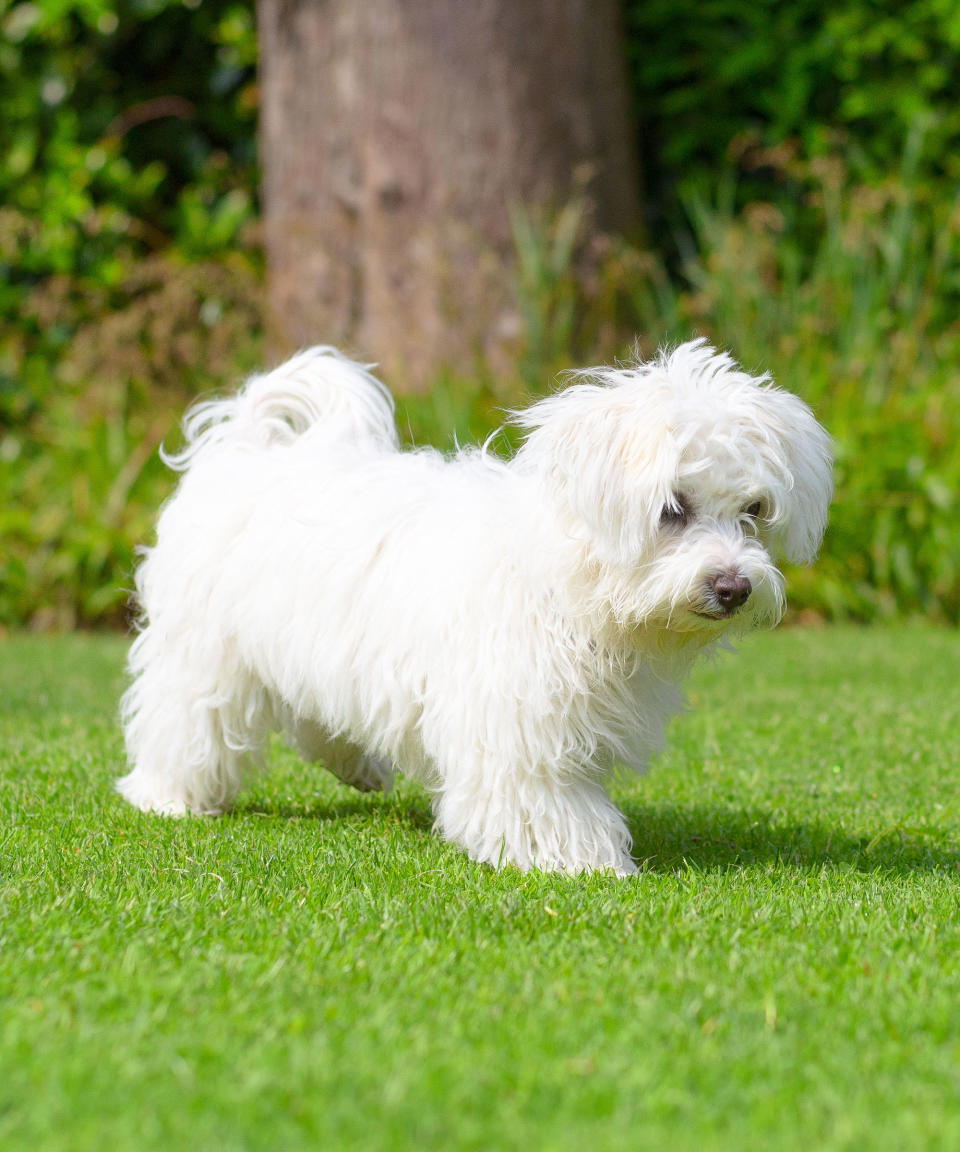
(318, 971)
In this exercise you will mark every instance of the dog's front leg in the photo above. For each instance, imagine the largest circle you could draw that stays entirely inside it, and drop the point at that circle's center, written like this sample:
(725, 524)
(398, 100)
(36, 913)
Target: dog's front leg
(535, 820)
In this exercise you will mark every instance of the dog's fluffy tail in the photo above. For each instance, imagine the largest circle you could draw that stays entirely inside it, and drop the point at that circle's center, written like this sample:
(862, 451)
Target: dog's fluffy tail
(319, 389)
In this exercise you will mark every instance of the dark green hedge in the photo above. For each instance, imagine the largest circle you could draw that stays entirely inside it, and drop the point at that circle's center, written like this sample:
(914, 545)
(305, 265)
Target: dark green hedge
(853, 74)
(126, 129)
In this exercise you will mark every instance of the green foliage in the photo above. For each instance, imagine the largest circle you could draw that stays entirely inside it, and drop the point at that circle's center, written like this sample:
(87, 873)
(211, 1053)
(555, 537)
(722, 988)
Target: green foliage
(126, 128)
(318, 970)
(546, 292)
(110, 110)
(128, 274)
(706, 72)
(79, 471)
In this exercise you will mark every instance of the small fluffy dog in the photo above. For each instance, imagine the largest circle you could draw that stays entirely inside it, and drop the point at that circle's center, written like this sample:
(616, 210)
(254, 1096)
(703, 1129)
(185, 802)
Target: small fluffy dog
(503, 631)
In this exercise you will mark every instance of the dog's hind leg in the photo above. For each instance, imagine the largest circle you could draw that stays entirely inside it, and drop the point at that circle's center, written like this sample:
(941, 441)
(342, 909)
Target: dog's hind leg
(192, 737)
(347, 761)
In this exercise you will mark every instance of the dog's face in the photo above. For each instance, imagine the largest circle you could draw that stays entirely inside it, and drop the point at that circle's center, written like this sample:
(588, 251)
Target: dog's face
(684, 480)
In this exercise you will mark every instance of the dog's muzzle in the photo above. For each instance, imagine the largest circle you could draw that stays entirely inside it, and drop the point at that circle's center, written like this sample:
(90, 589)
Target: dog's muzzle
(729, 591)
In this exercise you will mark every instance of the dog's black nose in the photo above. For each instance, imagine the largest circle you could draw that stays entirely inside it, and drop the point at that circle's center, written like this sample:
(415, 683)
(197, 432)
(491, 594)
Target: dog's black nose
(731, 590)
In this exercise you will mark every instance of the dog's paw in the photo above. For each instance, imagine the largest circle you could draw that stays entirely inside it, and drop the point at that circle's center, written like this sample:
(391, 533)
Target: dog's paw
(619, 868)
(370, 774)
(152, 795)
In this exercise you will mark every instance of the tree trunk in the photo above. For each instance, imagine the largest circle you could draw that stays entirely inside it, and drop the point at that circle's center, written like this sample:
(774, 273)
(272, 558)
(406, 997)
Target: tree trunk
(396, 135)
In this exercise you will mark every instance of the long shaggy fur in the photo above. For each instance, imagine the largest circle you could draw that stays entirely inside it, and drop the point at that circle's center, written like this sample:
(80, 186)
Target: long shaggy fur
(503, 631)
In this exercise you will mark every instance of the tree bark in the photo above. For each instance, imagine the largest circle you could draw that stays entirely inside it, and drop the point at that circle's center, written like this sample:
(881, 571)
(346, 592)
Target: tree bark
(395, 137)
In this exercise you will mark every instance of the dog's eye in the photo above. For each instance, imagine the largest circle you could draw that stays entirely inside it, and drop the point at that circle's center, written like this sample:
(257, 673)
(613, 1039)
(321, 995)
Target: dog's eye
(676, 514)
(754, 510)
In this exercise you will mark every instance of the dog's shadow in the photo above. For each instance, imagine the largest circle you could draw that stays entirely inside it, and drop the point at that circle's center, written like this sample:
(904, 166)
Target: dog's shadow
(412, 811)
(670, 838)
(675, 838)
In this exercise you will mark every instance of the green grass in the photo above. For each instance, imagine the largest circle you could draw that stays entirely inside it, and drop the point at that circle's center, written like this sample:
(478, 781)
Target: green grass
(318, 971)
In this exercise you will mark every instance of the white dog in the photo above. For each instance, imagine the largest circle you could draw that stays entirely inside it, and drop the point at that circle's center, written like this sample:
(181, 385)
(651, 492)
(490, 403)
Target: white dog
(503, 631)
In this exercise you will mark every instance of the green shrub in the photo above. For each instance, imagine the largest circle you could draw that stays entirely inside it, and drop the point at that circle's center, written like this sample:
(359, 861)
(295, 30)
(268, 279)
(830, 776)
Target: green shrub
(855, 74)
(129, 274)
(126, 129)
(80, 474)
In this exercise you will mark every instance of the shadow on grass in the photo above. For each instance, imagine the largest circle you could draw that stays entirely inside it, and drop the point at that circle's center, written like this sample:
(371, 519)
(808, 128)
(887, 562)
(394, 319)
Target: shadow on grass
(671, 838)
(411, 810)
(668, 838)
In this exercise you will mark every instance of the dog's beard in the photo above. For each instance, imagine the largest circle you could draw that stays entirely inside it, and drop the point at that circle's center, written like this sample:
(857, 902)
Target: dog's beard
(670, 589)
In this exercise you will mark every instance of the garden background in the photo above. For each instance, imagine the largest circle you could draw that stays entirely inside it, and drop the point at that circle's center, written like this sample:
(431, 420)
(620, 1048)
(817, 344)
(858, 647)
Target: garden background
(800, 170)
(316, 969)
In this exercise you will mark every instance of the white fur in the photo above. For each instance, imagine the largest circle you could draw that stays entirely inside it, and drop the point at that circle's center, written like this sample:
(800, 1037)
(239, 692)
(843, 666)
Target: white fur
(503, 631)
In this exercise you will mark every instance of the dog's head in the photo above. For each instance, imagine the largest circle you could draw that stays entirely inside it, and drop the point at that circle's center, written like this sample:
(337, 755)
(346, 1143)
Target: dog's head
(682, 481)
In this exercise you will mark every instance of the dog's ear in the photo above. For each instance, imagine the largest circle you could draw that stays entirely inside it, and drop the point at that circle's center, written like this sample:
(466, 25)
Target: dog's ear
(800, 517)
(606, 468)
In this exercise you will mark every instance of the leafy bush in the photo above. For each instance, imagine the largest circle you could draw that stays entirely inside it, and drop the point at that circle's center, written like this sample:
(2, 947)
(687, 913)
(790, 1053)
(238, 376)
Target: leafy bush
(125, 128)
(81, 475)
(706, 72)
(129, 273)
